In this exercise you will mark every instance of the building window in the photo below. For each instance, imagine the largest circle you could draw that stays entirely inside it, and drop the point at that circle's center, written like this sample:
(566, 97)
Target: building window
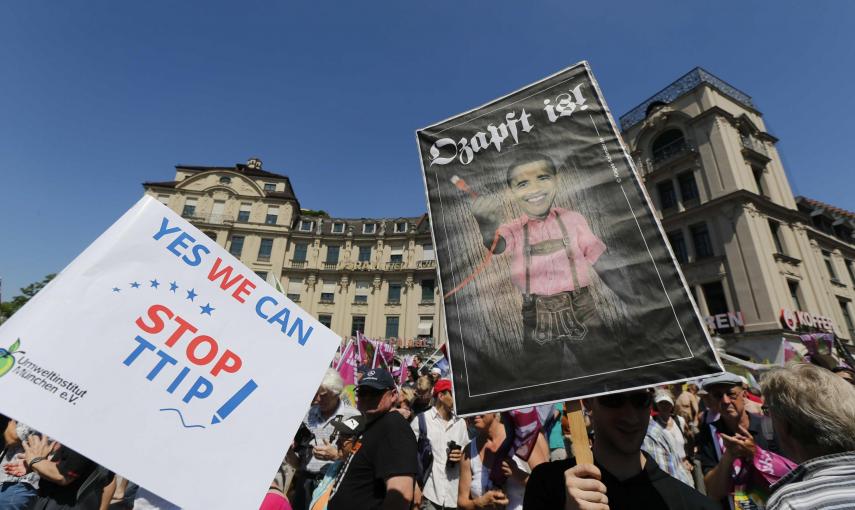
(236, 247)
(243, 213)
(400, 227)
(829, 265)
(427, 291)
(364, 254)
(265, 249)
(326, 320)
(307, 225)
(427, 252)
(701, 241)
(262, 275)
(163, 199)
(775, 228)
(425, 327)
(716, 301)
(269, 186)
(397, 255)
(272, 215)
(757, 172)
(189, 208)
(363, 288)
(294, 289)
(300, 250)
(847, 319)
(667, 195)
(688, 186)
(369, 228)
(392, 326)
(794, 293)
(668, 144)
(332, 254)
(212, 235)
(394, 296)
(338, 228)
(328, 292)
(678, 244)
(357, 325)
(225, 179)
(850, 266)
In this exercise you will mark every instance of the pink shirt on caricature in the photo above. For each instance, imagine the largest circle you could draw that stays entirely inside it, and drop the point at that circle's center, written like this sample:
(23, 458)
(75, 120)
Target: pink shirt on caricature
(550, 274)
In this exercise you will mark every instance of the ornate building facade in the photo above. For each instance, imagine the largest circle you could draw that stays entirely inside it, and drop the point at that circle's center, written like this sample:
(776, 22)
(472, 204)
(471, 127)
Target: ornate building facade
(376, 276)
(762, 264)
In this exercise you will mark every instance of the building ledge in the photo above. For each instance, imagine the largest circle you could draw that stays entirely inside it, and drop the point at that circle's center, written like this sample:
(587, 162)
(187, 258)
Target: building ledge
(780, 257)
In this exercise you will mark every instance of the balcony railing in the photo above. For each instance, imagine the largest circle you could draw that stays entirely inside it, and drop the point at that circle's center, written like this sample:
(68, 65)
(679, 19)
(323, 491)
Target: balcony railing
(330, 265)
(670, 150)
(263, 258)
(748, 142)
(427, 264)
(394, 266)
(298, 264)
(215, 219)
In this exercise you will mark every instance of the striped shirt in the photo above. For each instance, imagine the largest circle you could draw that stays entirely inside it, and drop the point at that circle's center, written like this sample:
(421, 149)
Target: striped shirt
(826, 482)
(659, 445)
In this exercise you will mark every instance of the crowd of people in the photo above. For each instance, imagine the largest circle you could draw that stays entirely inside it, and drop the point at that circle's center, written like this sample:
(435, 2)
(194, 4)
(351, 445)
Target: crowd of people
(718, 443)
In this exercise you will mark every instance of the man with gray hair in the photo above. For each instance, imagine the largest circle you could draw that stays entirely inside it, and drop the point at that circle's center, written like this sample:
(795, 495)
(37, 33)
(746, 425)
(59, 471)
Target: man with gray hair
(321, 451)
(813, 412)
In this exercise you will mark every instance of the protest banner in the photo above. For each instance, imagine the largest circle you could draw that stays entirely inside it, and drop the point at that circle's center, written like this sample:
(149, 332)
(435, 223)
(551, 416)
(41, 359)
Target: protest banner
(158, 355)
(558, 282)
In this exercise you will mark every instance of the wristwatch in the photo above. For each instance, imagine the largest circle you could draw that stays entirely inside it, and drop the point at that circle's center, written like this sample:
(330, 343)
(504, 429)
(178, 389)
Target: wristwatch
(35, 460)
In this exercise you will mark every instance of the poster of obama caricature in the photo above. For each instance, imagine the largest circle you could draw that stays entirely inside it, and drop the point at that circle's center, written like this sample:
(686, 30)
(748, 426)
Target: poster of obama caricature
(557, 279)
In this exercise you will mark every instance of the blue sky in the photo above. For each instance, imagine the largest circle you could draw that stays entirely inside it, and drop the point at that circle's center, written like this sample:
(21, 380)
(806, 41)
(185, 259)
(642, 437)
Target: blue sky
(100, 96)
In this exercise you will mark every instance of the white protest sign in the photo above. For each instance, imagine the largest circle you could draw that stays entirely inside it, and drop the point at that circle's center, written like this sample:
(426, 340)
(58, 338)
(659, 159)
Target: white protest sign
(160, 356)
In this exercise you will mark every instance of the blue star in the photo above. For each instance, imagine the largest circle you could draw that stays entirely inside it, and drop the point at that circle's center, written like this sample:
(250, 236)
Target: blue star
(116, 289)
(173, 286)
(191, 294)
(154, 283)
(207, 309)
(135, 285)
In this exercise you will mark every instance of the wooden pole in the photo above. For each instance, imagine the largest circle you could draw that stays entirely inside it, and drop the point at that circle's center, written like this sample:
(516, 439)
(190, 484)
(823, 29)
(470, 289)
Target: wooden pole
(579, 433)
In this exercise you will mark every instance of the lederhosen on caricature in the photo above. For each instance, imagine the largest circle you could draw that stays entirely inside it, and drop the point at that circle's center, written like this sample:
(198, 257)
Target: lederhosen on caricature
(563, 319)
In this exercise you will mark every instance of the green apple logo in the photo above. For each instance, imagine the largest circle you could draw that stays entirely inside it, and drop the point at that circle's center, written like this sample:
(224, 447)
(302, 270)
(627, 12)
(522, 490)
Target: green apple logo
(7, 357)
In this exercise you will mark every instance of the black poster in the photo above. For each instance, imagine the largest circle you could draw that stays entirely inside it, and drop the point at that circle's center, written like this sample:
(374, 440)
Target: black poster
(557, 279)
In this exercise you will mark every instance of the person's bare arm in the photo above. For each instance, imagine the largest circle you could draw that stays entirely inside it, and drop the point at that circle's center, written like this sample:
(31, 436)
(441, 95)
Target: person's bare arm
(487, 211)
(399, 492)
(107, 494)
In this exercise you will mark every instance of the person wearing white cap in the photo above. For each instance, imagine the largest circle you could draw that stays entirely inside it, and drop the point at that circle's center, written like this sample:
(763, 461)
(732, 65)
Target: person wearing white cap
(665, 441)
(726, 448)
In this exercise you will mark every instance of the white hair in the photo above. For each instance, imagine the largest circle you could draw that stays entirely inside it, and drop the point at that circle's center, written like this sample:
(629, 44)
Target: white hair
(332, 381)
(817, 406)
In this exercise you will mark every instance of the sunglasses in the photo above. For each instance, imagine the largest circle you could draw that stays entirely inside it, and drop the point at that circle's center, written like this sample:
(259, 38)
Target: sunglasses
(366, 391)
(636, 400)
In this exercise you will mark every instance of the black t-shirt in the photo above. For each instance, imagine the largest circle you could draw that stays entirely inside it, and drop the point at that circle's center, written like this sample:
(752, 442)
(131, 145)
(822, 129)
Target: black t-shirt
(651, 488)
(387, 448)
(83, 493)
(707, 449)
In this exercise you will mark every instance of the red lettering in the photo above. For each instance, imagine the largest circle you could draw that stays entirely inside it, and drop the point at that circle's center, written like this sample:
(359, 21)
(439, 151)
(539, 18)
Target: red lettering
(196, 342)
(157, 322)
(245, 287)
(225, 273)
(183, 327)
(228, 362)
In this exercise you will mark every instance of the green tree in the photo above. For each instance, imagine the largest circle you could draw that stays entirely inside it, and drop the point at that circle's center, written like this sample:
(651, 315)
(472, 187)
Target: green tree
(9, 307)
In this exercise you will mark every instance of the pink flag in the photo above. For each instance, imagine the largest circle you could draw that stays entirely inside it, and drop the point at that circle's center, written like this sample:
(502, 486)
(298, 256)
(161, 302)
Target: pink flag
(347, 364)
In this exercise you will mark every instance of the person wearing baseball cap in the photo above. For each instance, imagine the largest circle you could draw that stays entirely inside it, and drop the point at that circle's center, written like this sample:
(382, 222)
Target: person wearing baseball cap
(447, 434)
(672, 428)
(381, 471)
(731, 440)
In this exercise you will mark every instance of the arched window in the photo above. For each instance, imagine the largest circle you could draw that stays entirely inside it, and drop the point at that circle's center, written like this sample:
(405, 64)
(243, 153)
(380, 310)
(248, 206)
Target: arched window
(224, 179)
(668, 144)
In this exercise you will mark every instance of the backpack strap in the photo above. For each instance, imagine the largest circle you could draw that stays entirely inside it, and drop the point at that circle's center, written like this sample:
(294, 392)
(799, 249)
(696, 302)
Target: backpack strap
(422, 426)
